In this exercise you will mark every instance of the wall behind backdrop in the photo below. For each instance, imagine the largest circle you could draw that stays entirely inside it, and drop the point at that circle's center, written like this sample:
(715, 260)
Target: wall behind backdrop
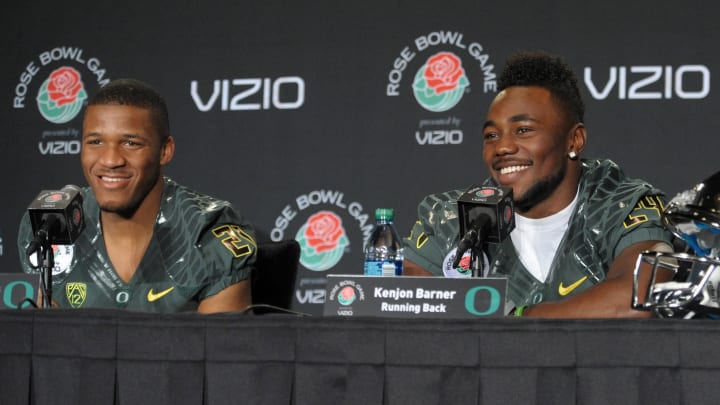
(310, 113)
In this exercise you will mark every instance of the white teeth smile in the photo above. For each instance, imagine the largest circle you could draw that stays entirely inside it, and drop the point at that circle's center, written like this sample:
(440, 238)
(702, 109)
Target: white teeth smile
(112, 179)
(512, 169)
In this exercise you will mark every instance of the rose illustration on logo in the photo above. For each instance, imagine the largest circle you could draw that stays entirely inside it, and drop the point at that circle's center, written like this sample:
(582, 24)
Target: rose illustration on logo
(462, 270)
(346, 296)
(464, 262)
(61, 96)
(54, 197)
(441, 82)
(322, 241)
(443, 72)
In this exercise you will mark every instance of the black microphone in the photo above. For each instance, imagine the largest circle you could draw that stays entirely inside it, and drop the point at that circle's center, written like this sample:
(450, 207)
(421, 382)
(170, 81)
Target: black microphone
(486, 215)
(56, 217)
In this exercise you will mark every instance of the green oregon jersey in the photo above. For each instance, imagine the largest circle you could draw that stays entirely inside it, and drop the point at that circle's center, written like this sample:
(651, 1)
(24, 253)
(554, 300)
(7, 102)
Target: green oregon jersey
(612, 213)
(200, 246)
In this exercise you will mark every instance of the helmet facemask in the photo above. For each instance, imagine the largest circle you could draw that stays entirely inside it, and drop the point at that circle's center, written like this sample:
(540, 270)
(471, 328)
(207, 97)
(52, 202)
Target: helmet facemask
(693, 216)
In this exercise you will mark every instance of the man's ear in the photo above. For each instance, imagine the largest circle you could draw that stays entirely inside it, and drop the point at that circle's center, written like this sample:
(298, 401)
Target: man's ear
(578, 137)
(167, 151)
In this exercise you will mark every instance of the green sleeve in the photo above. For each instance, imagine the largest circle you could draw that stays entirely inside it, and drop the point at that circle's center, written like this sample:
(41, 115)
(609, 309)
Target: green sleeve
(435, 232)
(25, 235)
(230, 250)
(642, 224)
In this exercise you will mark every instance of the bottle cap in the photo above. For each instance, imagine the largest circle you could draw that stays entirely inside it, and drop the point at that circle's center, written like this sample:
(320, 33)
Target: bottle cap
(384, 213)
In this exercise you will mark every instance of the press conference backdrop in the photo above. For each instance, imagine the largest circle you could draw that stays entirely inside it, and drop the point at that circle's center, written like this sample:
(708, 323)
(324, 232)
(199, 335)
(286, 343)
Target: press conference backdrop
(308, 115)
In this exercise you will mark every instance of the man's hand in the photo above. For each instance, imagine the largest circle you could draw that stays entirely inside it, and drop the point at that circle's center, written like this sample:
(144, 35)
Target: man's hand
(236, 297)
(608, 299)
(412, 269)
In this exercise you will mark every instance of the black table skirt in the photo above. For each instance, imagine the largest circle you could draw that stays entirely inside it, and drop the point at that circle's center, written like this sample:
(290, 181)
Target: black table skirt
(117, 357)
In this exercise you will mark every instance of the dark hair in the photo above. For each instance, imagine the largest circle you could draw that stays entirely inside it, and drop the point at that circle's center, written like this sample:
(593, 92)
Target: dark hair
(135, 93)
(550, 72)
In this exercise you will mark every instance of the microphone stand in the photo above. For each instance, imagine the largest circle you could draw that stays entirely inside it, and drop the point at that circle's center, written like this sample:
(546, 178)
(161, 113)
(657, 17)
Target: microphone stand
(476, 262)
(471, 241)
(46, 258)
(46, 273)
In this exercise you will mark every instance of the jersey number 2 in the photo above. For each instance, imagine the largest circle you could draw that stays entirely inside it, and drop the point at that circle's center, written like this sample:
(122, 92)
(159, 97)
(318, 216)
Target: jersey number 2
(233, 237)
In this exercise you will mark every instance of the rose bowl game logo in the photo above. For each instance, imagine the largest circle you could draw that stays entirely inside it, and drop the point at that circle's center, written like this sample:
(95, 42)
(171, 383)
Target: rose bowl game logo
(62, 259)
(330, 228)
(55, 197)
(463, 268)
(322, 241)
(346, 296)
(62, 95)
(441, 82)
(438, 69)
(58, 81)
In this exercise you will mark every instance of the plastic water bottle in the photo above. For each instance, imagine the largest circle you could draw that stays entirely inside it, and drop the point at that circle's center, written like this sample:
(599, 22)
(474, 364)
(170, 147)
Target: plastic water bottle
(384, 249)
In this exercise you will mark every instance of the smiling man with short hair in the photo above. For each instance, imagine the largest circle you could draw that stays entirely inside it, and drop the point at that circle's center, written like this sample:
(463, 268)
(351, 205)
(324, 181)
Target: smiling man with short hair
(149, 243)
(580, 224)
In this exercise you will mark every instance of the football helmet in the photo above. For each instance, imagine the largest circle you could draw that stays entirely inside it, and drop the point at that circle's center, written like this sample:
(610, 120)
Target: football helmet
(693, 216)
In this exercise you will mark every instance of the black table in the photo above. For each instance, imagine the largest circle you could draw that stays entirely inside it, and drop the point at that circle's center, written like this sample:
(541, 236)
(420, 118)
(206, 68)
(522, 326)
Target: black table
(105, 357)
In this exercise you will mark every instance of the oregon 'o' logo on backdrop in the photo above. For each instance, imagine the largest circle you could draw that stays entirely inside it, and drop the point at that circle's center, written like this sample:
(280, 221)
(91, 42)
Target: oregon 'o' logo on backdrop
(322, 241)
(62, 95)
(440, 83)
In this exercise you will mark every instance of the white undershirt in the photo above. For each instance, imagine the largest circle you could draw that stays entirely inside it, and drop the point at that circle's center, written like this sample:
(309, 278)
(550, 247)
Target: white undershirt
(537, 240)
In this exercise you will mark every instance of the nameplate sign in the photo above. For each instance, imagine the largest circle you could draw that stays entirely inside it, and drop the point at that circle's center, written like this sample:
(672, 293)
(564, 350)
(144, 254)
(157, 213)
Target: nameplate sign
(16, 287)
(414, 297)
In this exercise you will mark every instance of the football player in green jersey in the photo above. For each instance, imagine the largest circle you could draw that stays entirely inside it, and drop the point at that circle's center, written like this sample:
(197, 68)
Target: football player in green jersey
(149, 243)
(580, 224)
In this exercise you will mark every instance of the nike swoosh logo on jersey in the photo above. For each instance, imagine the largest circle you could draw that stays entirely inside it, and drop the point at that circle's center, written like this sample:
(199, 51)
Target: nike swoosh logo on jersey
(562, 290)
(152, 296)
